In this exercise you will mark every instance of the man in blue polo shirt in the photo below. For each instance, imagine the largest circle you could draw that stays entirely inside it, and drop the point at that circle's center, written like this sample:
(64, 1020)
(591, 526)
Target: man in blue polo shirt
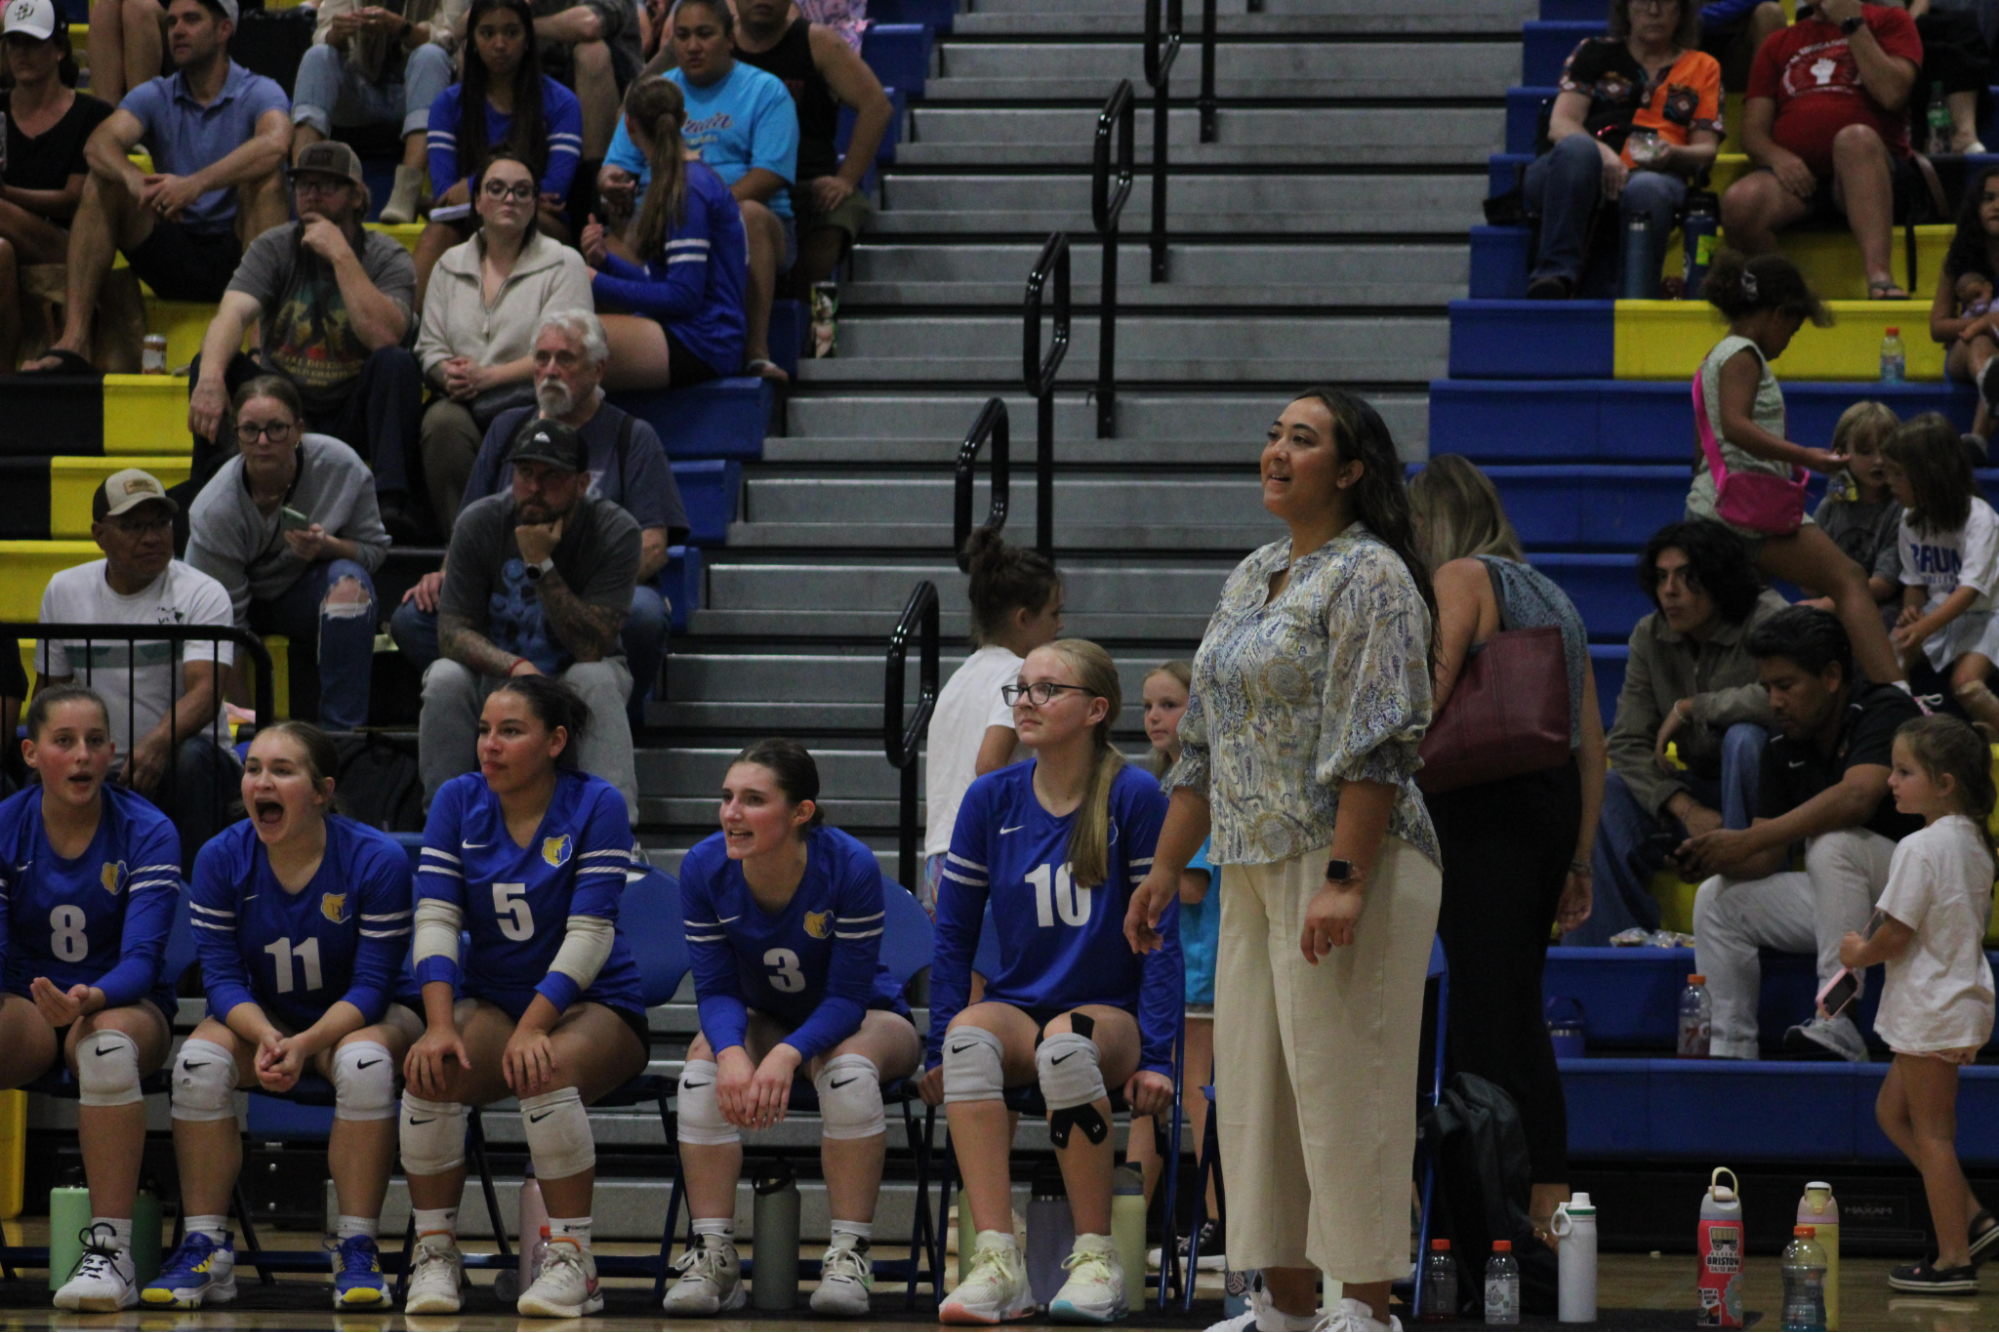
(219, 136)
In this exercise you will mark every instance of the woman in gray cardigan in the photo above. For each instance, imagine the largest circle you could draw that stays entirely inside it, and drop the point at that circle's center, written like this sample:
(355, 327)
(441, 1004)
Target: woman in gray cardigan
(290, 527)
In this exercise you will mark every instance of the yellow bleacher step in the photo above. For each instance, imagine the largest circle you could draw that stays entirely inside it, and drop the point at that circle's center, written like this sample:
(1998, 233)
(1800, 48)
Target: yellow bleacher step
(1665, 340)
(29, 566)
(72, 482)
(146, 414)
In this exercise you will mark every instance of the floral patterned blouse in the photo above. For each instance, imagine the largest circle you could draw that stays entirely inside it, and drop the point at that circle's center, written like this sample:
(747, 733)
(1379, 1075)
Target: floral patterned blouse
(1327, 682)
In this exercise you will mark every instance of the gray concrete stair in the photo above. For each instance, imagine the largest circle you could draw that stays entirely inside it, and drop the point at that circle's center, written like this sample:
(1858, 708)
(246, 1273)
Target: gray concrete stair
(1033, 71)
(1343, 136)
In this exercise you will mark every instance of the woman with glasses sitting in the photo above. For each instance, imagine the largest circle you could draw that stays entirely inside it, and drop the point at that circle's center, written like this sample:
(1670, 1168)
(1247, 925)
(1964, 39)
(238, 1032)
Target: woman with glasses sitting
(291, 529)
(1055, 845)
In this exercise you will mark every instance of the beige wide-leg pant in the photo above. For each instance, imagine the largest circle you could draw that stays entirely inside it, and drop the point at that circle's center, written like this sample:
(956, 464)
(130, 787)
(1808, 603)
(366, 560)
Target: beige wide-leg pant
(1315, 1067)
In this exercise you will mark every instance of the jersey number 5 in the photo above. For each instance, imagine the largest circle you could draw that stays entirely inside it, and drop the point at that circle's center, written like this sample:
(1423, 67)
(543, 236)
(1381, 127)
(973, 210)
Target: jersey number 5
(282, 953)
(510, 904)
(785, 974)
(1055, 892)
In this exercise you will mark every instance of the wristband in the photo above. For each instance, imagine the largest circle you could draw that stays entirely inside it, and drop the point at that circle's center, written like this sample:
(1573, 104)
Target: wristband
(519, 662)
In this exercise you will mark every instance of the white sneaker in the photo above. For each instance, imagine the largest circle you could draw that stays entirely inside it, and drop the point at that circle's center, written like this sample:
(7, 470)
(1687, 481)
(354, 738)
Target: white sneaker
(103, 1280)
(711, 1280)
(437, 1276)
(1354, 1316)
(846, 1279)
(995, 1290)
(566, 1287)
(1819, 1035)
(1094, 1293)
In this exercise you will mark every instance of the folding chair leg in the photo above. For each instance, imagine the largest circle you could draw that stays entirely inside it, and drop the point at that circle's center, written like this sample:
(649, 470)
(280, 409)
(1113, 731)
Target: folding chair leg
(252, 1250)
(923, 1233)
(1209, 1167)
(403, 1262)
(946, 1173)
(475, 1146)
(672, 1202)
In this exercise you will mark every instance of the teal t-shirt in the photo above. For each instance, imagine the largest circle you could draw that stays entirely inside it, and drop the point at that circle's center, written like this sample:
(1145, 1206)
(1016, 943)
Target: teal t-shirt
(1200, 933)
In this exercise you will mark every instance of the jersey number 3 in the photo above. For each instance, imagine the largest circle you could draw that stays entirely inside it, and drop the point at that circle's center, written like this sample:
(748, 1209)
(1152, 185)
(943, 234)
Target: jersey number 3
(785, 974)
(1055, 892)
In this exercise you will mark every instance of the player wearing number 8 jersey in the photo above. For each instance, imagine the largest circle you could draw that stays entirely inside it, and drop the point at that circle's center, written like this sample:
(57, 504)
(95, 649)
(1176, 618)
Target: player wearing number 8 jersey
(784, 924)
(301, 919)
(88, 880)
(529, 857)
(1055, 845)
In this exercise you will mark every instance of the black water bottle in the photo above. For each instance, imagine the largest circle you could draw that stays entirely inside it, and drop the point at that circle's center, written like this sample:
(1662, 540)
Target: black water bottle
(1701, 229)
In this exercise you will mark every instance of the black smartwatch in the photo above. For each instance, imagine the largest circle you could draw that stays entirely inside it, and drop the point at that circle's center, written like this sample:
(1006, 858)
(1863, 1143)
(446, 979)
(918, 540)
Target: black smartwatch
(1853, 25)
(1340, 872)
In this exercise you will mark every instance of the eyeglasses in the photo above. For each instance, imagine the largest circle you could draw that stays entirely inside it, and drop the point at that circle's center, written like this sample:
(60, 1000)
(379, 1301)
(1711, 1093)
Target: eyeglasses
(1041, 693)
(276, 431)
(320, 185)
(520, 194)
(1654, 6)
(143, 527)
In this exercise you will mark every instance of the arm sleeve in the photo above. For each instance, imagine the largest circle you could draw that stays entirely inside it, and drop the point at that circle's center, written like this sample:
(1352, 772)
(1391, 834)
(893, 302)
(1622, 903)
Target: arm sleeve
(616, 573)
(432, 350)
(1377, 697)
(1708, 108)
(961, 911)
(385, 917)
(651, 494)
(1579, 70)
(440, 878)
(476, 548)
(1907, 895)
(484, 478)
(1896, 32)
(718, 992)
(149, 916)
(362, 524)
(858, 913)
(565, 138)
(774, 134)
(441, 139)
(1981, 551)
(225, 978)
(391, 269)
(1162, 987)
(681, 288)
(207, 551)
(604, 853)
(208, 604)
(1763, 73)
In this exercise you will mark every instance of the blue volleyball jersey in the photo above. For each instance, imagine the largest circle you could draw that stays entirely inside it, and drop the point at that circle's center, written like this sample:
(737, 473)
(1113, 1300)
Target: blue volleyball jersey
(815, 966)
(517, 900)
(341, 937)
(99, 920)
(1060, 944)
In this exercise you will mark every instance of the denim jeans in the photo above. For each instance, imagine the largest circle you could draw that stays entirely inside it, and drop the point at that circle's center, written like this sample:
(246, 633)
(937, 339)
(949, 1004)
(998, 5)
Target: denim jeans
(331, 91)
(1625, 858)
(338, 637)
(1563, 187)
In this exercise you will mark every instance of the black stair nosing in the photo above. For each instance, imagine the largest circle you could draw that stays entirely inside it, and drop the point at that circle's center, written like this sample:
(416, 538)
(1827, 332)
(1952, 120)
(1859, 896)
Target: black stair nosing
(1143, 169)
(1191, 40)
(1190, 241)
(1145, 103)
(991, 388)
(1151, 312)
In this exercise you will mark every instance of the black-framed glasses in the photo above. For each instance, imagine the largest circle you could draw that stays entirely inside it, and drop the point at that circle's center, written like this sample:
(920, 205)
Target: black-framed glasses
(1040, 693)
(319, 185)
(143, 527)
(520, 193)
(277, 432)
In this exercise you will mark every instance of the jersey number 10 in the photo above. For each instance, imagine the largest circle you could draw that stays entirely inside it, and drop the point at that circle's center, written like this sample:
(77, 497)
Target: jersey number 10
(1055, 892)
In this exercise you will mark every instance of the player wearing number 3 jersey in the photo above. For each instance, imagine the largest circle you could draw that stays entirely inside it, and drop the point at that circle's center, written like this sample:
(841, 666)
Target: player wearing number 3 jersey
(528, 856)
(88, 880)
(785, 919)
(301, 919)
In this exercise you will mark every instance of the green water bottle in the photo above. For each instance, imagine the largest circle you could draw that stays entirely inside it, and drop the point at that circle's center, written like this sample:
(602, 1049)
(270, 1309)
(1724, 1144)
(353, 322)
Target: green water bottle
(146, 1233)
(69, 1217)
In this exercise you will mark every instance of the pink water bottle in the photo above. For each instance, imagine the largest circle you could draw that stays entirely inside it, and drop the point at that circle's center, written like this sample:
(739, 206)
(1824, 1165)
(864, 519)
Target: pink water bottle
(533, 1230)
(1718, 1243)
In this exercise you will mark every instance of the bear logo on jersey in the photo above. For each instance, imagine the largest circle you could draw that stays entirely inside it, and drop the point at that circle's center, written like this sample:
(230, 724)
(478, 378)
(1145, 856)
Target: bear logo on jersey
(556, 850)
(333, 906)
(818, 924)
(113, 877)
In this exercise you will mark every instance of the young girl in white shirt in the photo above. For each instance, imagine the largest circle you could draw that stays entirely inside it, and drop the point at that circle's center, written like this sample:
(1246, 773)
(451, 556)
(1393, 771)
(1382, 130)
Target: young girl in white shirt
(1937, 1002)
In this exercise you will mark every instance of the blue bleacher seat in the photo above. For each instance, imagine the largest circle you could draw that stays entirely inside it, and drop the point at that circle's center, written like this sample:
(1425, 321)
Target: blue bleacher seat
(937, 15)
(725, 418)
(788, 323)
(1523, 115)
(1533, 339)
(1588, 505)
(708, 488)
(1546, 45)
(1603, 587)
(682, 583)
(899, 54)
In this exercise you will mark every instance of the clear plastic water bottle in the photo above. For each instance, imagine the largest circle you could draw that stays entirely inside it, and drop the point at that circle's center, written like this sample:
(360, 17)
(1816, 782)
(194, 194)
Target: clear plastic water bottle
(1502, 1287)
(1939, 121)
(1696, 1019)
(1804, 1281)
(1440, 1285)
(1894, 362)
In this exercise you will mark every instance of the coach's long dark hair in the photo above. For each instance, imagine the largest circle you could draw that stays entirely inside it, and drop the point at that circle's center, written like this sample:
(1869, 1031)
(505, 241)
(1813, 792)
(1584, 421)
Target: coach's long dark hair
(527, 136)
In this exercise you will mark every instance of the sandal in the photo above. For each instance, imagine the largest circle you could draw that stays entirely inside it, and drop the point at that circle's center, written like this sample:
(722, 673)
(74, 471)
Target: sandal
(769, 370)
(1885, 289)
(1983, 1242)
(66, 363)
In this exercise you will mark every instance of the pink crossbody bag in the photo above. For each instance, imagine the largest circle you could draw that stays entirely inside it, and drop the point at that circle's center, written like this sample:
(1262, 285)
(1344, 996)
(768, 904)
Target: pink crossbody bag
(1764, 502)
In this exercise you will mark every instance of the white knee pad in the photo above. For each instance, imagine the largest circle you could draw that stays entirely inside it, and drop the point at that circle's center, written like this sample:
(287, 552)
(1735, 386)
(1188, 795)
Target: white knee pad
(204, 1081)
(1072, 1078)
(972, 1066)
(700, 1114)
(364, 1082)
(558, 1134)
(433, 1136)
(850, 1098)
(107, 1070)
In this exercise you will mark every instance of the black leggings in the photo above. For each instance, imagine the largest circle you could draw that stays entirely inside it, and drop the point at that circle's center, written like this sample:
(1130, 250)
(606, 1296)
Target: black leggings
(1507, 847)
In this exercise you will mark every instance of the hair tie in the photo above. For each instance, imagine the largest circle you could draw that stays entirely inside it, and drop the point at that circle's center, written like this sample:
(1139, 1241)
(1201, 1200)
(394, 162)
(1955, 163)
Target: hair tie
(1749, 285)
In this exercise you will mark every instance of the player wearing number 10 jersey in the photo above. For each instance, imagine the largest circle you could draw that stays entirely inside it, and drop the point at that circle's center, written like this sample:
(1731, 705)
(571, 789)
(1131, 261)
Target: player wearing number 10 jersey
(89, 876)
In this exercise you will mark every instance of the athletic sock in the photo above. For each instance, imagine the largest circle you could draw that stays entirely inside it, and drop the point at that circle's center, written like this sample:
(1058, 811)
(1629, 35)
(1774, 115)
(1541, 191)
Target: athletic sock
(571, 1228)
(213, 1226)
(430, 1221)
(861, 1231)
(348, 1227)
(724, 1227)
(121, 1230)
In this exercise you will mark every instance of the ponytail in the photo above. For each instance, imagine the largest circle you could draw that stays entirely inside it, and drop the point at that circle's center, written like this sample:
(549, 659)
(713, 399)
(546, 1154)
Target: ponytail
(1090, 835)
(658, 109)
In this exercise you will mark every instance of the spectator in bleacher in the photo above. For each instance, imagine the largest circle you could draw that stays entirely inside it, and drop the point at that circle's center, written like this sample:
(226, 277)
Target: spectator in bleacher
(627, 467)
(1824, 784)
(1638, 115)
(687, 283)
(1691, 683)
(166, 700)
(1860, 512)
(502, 100)
(476, 341)
(538, 581)
(1826, 126)
(592, 47)
(1732, 31)
(378, 65)
(824, 73)
(744, 125)
(1957, 62)
(1972, 337)
(331, 301)
(218, 136)
(42, 169)
(1741, 431)
(290, 527)
(1517, 851)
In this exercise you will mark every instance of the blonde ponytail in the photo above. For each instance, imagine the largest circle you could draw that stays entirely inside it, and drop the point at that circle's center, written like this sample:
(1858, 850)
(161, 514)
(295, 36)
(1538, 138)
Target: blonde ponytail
(1090, 835)
(658, 108)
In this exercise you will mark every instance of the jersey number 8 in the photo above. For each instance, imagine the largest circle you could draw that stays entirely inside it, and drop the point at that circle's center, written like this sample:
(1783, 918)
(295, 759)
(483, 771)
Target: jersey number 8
(1055, 892)
(66, 937)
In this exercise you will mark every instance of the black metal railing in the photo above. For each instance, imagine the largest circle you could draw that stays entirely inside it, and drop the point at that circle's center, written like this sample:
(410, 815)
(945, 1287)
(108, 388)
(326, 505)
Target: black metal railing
(990, 428)
(1039, 373)
(1110, 186)
(902, 740)
(1208, 71)
(1162, 45)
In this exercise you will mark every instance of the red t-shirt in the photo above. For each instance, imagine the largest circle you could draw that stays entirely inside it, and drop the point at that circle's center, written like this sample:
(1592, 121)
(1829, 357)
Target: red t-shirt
(1810, 72)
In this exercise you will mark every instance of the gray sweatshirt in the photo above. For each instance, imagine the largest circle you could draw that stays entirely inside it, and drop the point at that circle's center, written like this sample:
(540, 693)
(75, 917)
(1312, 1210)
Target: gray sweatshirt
(245, 551)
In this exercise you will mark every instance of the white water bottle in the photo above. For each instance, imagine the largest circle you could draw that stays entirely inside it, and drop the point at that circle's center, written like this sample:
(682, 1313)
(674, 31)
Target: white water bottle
(1575, 1223)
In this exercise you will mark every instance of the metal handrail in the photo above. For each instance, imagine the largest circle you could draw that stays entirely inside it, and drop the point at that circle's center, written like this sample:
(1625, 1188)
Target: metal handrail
(1106, 206)
(902, 740)
(1208, 131)
(1162, 45)
(1039, 371)
(991, 427)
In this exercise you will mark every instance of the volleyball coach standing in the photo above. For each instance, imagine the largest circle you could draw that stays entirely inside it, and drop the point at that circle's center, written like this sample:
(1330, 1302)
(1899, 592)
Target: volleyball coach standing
(1311, 692)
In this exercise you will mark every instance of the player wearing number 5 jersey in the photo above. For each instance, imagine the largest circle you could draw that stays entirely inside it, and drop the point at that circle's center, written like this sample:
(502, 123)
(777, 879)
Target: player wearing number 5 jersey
(529, 857)
(784, 924)
(1055, 845)
(301, 919)
(89, 875)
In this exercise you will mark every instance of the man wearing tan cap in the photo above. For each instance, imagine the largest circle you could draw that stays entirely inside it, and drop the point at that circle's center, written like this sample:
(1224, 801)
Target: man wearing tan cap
(164, 700)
